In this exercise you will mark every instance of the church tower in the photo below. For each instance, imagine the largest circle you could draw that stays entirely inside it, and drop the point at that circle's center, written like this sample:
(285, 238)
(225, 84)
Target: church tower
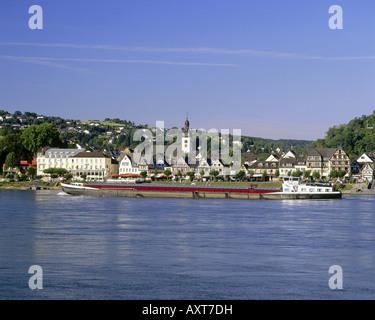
(186, 138)
(187, 124)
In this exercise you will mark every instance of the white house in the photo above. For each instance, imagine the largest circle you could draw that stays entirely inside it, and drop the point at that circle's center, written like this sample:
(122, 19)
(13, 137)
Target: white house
(218, 165)
(366, 158)
(127, 167)
(368, 172)
(205, 165)
(272, 158)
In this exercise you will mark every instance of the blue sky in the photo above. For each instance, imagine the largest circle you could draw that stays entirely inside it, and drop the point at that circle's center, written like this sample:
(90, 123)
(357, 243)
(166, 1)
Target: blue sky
(273, 68)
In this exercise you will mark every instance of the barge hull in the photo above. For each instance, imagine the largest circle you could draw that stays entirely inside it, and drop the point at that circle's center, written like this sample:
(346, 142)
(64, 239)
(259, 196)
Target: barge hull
(95, 192)
(194, 194)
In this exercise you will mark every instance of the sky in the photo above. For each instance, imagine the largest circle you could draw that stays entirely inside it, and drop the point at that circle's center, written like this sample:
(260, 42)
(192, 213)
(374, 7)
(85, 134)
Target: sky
(274, 69)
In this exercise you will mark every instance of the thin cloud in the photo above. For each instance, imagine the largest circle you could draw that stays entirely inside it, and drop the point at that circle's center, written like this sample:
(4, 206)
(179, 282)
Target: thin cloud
(245, 52)
(45, 63)
(49, 61)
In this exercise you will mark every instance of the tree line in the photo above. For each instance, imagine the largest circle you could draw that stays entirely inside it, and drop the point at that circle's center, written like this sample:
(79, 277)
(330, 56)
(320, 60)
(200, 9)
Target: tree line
(355, 137)
(15, 147)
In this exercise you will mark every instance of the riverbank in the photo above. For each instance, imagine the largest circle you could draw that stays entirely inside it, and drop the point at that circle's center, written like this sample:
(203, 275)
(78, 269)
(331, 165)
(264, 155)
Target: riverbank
(29, 185)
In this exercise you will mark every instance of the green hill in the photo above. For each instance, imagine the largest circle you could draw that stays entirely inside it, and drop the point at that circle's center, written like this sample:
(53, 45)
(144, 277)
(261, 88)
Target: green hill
(355, 137)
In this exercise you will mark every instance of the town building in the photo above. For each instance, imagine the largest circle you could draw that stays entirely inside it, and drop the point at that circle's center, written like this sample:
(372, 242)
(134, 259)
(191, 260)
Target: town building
(94, 165)
(300, 163)
(324, 160)
(181, 165)
(218, 165)
(204, 166)
(368, 171)
(156, 169)
(366, 158)
(363, 167)
(55, 158)
(127, 166)
(259, 169)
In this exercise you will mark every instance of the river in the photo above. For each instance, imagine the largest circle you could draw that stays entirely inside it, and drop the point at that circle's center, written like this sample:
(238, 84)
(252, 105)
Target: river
(122, 248)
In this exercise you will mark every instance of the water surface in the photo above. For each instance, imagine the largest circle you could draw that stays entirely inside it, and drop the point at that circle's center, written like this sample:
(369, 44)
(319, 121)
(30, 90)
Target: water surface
(122, 248)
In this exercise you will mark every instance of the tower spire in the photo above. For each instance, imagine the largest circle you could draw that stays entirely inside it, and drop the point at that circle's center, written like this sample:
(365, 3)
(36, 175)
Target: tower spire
(187, 124)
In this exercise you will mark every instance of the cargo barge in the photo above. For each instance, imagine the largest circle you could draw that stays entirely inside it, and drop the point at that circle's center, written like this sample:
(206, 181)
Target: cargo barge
(293, 189)
(139, 190)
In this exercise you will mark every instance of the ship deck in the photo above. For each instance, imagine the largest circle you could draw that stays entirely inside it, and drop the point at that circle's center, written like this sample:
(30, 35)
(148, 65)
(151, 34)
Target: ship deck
(181, 188)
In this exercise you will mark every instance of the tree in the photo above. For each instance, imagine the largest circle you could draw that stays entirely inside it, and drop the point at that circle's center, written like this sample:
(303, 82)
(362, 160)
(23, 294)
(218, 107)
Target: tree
(144, 174)
(240, 175)
(214, 173)
(297, 173)
(307, 174)
(277, 173)
(58, 172)
(316, 175)
(264, 175)
(68, 176)
(11, 160)
(31, 172)
(251, 173)
(179, 174)
(12, 143)
(201, 173)
(333, 174)
(341, 174)
(167, 173)
(191, 175)
(37, 137)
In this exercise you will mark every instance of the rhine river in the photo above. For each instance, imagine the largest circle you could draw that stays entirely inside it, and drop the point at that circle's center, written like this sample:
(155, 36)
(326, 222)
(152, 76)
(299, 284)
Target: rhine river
(121, 248)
